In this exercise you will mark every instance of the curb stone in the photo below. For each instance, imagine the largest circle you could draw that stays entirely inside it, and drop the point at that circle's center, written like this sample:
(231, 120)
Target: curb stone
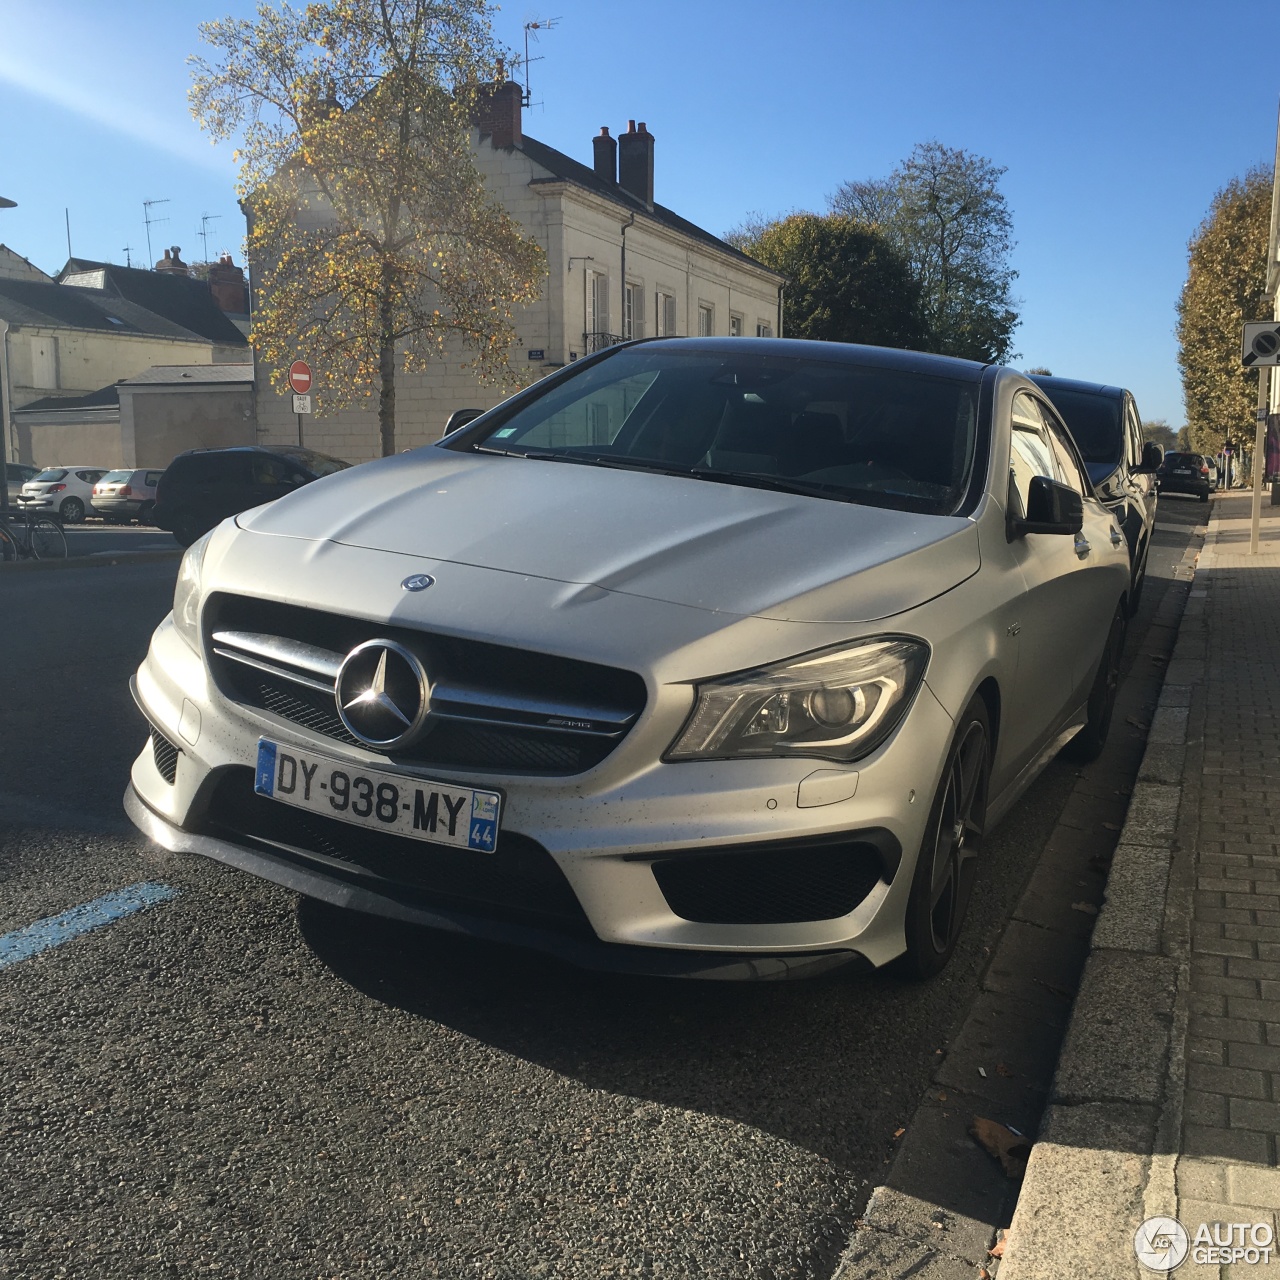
(98, 560)
(1097, 1169)
(944, 1198)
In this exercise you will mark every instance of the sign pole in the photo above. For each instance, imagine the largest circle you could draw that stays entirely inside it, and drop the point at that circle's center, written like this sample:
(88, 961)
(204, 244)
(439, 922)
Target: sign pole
(299, 417)
(1259, 454)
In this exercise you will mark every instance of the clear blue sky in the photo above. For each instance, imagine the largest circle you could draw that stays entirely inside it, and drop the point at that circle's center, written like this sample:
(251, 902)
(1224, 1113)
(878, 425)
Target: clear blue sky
(1116, 122)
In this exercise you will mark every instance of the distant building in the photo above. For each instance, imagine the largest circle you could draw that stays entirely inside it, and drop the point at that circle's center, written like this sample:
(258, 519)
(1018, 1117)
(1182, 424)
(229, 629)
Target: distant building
(620, 266)
(66, 342)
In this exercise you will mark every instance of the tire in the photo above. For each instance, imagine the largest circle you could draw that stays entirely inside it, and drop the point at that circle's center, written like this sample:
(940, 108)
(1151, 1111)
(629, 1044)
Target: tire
(1139, 581)
(1204, 497)
(71, 511)
(1088, 743)
(184, 533)
(145, 512)
(8, 548)
(947, 862)
(48, 542)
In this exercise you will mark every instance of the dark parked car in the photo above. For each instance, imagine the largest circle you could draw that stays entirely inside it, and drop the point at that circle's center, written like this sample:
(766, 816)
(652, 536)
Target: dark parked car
(1107, 430)
(203, 486)
(1185, 473)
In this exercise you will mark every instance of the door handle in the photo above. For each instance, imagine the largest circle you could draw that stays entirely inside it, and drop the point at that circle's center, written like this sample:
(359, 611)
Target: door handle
(1116, 539)
(1082, 546)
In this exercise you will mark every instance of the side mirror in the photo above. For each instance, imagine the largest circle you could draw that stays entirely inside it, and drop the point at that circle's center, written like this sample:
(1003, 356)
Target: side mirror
(1051, 508)
(1152, 457)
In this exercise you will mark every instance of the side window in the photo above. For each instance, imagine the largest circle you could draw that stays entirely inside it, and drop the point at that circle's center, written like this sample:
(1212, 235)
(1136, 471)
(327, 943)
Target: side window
(1030, 453)
(592, 420)
(273, 472)
(1135, 434)
(153, 478)
(1068, 470)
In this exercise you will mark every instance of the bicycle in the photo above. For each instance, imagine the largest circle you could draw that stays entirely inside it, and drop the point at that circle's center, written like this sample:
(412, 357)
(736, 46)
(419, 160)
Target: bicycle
(38, 539)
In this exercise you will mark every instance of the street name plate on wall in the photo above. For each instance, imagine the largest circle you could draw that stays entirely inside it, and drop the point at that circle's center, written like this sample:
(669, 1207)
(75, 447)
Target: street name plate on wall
(537, 354)
(301, 404)
(1261, 343)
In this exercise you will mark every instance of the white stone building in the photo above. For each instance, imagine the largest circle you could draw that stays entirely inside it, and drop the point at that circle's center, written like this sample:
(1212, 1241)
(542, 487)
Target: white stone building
(619, 266)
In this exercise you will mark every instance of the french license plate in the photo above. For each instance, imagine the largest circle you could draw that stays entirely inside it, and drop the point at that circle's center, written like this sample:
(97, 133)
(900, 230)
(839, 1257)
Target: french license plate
(403, 806)
(1181, 472)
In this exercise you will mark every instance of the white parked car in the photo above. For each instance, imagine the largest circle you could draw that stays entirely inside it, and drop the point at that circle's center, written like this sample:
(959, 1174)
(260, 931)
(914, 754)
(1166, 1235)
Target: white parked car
(65, 492)
(709, 657)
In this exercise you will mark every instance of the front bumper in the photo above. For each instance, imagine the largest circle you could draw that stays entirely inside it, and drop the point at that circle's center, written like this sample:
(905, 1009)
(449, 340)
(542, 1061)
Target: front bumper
(609, 833)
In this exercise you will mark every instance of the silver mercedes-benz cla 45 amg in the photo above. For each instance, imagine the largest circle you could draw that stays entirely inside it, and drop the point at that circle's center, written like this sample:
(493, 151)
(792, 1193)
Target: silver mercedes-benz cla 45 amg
(701, 657)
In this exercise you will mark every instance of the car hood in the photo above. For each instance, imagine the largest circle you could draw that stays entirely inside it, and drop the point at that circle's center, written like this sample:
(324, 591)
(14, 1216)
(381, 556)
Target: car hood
(703, 544)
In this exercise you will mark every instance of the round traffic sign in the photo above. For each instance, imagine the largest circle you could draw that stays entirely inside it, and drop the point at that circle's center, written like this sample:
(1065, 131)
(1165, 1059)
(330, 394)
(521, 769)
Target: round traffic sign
(300, 377)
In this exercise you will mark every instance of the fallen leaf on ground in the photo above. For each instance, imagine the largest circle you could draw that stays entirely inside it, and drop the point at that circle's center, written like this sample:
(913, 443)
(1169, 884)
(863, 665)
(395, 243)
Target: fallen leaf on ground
(1137, 724)
(1057, 990)
(1112, 826)
(1087, 907)
(897, 1133)
(998, 1140)
(997, 1249)
(1002, 1070)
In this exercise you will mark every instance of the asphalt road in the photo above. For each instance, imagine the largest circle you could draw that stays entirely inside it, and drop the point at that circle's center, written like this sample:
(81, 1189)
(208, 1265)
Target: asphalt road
(236, 1083)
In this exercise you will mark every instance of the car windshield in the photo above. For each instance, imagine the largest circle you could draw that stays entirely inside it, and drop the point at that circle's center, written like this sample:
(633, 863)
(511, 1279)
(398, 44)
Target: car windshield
(319, 464)
(1183, 460)
(828, 429)
(115, 477)
(51, 475)
(1094, 422)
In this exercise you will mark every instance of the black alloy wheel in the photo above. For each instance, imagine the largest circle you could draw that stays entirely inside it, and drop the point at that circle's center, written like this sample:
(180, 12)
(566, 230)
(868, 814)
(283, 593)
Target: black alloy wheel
(947, 864)
(145, 512)
(71, 511)
(1088, 743)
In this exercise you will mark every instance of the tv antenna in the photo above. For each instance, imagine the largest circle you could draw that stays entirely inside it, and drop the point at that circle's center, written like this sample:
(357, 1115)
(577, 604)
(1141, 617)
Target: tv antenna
(203, 233)
(542, 24)
(128, 261)
(147, 206)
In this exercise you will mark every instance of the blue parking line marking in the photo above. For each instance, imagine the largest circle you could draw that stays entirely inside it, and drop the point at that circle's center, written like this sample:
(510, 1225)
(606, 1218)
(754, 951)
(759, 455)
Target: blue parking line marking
(32, 939)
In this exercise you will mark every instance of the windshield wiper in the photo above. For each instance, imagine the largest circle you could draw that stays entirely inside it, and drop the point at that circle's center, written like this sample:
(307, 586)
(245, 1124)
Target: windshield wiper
(782, 484)
(613, 462)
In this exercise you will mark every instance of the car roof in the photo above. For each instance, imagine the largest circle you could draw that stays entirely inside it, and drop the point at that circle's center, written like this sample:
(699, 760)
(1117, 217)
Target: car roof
(837, 352)
(1050, 383)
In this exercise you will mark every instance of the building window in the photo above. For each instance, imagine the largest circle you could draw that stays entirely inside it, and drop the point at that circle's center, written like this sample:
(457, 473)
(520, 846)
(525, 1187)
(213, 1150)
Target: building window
(597, 333)
(706, 320)
(764, 329)
(735, 326)
(633, 312)
(665, 314)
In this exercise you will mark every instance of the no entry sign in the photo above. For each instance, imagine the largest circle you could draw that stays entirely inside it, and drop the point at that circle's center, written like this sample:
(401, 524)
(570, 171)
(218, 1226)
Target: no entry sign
(300, 377)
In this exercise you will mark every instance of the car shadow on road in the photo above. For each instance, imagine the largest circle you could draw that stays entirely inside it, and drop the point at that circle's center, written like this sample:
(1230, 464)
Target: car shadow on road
(830, 1064)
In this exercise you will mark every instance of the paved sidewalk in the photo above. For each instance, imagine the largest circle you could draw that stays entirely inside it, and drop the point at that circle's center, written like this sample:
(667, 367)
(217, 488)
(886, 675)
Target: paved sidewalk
(1166, 1099)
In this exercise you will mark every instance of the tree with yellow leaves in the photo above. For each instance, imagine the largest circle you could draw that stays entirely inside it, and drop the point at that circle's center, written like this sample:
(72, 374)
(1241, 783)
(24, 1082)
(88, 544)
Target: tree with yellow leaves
(374, 243)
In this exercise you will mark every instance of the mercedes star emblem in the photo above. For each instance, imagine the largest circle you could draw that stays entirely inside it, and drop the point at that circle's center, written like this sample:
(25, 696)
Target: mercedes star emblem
(418, 582)
(382, 693)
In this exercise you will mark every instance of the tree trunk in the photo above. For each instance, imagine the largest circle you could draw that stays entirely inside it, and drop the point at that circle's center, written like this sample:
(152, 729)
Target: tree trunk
(386, 369)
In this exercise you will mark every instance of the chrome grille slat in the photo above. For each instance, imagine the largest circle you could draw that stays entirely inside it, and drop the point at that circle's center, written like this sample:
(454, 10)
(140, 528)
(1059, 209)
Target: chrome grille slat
(493, 708)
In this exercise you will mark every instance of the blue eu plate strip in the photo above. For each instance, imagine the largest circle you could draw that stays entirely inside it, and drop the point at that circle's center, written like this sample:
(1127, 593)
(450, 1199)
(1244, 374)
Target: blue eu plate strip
(29, 941)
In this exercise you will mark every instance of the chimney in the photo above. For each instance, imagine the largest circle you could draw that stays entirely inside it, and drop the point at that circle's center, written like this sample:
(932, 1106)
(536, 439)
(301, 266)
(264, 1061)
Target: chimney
(606, 149)
(172, 264)
(226, 284)
(497, 113)
(635, 162)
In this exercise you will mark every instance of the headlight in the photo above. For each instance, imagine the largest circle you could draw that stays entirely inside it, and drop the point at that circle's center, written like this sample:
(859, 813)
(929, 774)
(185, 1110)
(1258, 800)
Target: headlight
(186, 594)
(838, 704)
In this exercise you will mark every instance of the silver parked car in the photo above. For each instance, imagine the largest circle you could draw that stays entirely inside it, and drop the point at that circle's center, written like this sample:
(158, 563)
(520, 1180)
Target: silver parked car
(700, 657)
(129, 494)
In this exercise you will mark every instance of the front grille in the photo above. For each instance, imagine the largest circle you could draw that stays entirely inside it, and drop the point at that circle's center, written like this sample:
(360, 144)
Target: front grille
(782, 885)
(500, 737)
(165, 754)
(520, 881)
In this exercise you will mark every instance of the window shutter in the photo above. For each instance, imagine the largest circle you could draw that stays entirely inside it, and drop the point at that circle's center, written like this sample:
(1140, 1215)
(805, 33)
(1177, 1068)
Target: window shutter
(669, 310)
(639, 315)
(602, 304)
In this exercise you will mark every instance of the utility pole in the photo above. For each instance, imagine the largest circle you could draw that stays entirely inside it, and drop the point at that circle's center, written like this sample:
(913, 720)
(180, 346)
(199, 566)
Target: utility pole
(147, 206)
